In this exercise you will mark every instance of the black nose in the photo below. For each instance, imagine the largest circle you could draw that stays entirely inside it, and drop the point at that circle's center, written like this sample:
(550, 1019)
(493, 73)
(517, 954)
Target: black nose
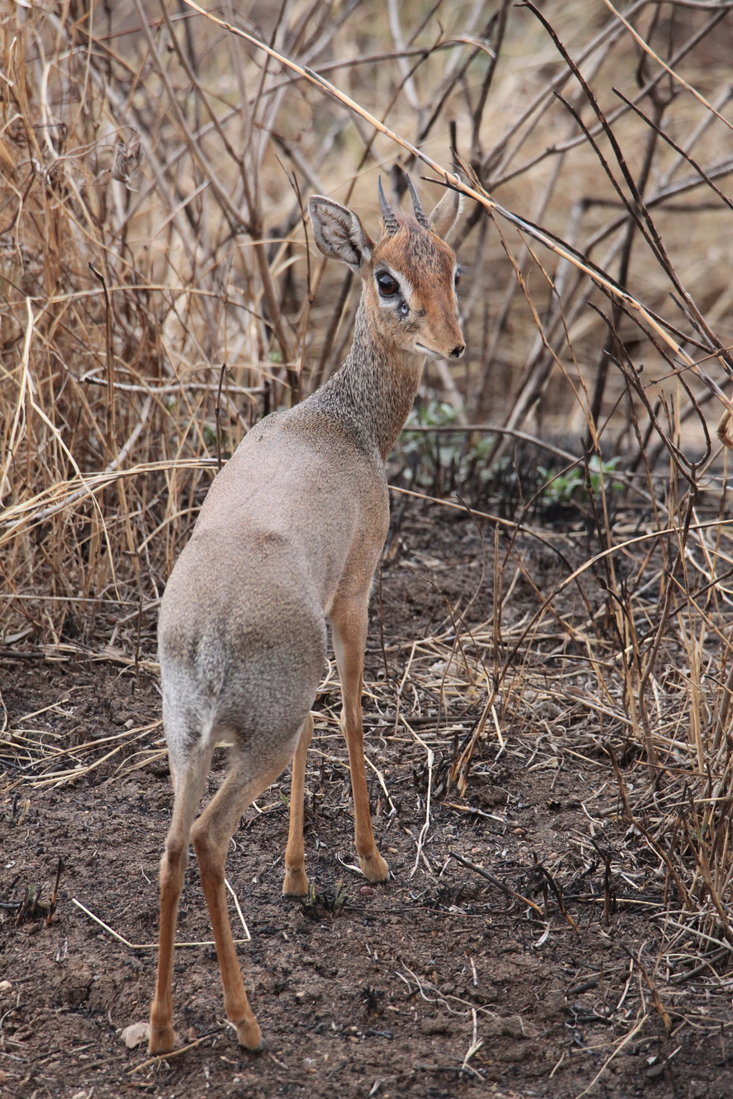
(458, 351)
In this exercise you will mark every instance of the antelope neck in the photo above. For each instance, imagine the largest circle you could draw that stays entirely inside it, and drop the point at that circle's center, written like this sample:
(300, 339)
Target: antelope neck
(374, 389)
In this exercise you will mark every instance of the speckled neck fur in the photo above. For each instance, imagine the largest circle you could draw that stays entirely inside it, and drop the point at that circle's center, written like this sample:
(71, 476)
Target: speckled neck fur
(374, 390)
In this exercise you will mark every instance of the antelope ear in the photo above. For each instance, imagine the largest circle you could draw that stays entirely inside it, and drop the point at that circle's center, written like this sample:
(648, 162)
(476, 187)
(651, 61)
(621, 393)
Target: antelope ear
(339, 233)
(445, 214)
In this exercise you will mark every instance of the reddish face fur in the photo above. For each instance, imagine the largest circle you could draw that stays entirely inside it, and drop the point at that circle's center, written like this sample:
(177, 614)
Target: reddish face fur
(425, 267)
(409, 276)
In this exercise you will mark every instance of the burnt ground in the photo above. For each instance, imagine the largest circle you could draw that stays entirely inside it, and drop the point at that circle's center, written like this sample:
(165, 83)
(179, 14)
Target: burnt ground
(438, 984)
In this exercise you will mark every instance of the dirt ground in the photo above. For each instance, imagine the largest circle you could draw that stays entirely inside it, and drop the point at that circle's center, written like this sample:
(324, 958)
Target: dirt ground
(438, 984)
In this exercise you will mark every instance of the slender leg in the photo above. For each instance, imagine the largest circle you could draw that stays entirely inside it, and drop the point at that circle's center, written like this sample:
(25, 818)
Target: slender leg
(188, 789)
(296, 879)
(349, 624)
(211, 834)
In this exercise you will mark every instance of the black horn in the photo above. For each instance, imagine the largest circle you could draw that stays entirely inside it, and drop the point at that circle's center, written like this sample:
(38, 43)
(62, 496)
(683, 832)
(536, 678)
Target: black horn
(419, 213)
(390, 221)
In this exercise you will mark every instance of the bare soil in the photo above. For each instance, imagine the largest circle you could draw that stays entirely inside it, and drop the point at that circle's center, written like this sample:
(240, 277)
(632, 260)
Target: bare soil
(437, 984)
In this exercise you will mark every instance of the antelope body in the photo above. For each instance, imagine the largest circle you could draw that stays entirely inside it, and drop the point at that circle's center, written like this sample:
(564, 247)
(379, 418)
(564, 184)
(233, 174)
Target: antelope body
(289, 536)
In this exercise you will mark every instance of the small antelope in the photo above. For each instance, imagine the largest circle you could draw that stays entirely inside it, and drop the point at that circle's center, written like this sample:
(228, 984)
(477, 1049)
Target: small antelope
(289, 536)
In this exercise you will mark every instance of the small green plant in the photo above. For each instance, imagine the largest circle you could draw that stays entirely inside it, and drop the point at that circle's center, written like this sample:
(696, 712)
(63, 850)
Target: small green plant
(342, 892)
(571, 487)
(16, 814)
(317, 905)
(426, 456)
(421, 451)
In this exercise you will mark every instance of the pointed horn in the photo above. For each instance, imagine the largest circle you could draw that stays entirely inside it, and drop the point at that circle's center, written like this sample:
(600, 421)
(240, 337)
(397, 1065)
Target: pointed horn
(419, 214)
(390, 221)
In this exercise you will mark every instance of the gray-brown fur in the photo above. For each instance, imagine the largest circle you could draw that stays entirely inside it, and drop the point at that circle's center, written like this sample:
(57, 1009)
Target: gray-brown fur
(289, 536)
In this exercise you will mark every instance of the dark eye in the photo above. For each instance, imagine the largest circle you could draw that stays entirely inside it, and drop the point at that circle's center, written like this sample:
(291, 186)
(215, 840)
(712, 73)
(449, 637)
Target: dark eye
(457, 279)
(387, 285)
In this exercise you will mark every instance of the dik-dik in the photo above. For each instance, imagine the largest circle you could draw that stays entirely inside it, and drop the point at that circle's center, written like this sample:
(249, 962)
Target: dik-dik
(288, 539)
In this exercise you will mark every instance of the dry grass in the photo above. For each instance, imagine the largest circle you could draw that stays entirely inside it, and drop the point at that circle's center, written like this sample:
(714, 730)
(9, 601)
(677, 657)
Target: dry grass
(151, 229)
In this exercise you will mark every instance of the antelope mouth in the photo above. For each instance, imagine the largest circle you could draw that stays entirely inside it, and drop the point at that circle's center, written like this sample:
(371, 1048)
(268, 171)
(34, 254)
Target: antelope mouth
(423, 350)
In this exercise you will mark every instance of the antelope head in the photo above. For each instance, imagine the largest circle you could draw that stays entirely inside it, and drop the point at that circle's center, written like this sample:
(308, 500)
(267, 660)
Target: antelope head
(409, 276)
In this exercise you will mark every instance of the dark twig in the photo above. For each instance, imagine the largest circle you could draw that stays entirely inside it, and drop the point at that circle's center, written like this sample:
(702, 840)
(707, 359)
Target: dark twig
(217, 415)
